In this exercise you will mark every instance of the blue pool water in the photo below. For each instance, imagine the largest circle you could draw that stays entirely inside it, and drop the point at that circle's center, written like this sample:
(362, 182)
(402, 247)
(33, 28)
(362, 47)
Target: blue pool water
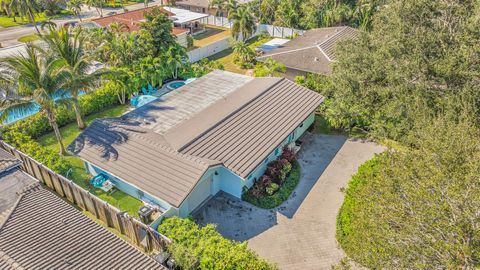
(16, 115)
(139, 101)
(176, 84)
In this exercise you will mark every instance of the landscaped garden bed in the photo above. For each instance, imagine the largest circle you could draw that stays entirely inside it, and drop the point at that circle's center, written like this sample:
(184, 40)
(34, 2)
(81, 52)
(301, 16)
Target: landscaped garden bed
(278, 182)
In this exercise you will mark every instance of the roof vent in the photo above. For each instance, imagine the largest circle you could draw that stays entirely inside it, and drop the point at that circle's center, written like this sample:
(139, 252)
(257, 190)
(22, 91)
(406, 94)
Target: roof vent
(316, 59)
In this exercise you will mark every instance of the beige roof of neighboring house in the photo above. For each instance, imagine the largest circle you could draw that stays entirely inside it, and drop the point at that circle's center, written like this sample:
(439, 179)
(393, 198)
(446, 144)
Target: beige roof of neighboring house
(45, 232)
(8, 161)
(312, 52)
(166, 146)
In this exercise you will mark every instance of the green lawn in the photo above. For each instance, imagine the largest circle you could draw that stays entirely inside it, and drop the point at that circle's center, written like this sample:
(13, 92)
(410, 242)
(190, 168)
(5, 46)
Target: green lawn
(79, 175)
(28, 38)
(226, 56)
(213, 33)
(9, 21)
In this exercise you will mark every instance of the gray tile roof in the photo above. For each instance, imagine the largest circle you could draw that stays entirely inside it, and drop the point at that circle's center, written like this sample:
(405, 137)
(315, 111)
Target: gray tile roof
(183, 103)
(237, 127)
(244, 139)
(140, 157)
(8, 161)
(12, 183)
(45, 232)
(312, 52)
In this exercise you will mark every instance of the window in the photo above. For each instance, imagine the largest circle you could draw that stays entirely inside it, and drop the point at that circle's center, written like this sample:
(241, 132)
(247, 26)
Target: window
(266, 161)
(301, 125)
(277, 151)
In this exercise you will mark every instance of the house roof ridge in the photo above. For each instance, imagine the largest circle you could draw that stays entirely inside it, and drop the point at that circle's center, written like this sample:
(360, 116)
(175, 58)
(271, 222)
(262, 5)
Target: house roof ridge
(231, 114)
(343, 28)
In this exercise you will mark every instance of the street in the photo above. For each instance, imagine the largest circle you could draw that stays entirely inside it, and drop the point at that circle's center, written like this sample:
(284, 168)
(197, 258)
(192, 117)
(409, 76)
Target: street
(9, 35)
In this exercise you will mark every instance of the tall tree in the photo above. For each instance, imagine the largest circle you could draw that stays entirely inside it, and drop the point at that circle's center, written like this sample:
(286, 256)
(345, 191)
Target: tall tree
(26, 8)
(75, 6)
(420, 55)
(243, 22)
(418, 208)
(159, 26)
(243, 54)
(69, 48)
(175, 57)
(39, 79)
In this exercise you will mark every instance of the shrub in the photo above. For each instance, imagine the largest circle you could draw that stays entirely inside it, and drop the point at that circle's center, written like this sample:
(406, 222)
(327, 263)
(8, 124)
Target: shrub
(287, 167)
(37, 124)
(288, 154)
(272, 188)
(27, 145)
(204, 248)
(269, 202)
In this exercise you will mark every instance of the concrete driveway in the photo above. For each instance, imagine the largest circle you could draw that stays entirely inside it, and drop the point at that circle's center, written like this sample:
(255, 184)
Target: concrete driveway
(299, 234)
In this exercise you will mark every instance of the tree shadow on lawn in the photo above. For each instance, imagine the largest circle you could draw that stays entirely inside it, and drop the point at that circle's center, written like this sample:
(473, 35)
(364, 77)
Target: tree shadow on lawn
(239, 220)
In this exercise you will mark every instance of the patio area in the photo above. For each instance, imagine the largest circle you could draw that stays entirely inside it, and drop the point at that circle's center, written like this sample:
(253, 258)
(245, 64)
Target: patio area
(300, 233)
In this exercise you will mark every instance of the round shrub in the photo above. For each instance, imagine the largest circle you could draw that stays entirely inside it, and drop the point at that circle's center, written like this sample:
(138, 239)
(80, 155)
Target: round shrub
(204, 248)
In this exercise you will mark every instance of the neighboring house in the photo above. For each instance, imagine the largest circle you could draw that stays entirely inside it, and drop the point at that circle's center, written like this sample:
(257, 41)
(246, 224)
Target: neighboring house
(39, 230)
(203, 6)
(217, 133)
(133, 19)
(313, 52)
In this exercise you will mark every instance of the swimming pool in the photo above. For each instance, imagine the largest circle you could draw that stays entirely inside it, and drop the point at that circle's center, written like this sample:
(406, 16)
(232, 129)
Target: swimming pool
(139, 101)
(19, 114)
(175, 85)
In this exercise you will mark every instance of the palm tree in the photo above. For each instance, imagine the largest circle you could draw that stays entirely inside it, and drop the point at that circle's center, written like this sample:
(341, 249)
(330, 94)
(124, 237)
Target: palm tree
(244, 55)
(26, 8)
(230, 7)
(97, 4)
(75, 6)
(175, 57)
(243, 23)
(68, 47)
(118, 27)
(38, 79)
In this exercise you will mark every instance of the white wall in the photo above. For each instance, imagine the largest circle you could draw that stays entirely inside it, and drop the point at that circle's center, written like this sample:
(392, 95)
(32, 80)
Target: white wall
(209, 50)
(218, 46)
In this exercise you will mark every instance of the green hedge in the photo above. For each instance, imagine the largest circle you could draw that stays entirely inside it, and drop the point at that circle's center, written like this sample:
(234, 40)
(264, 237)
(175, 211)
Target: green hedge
(204, 248)
(27, 145)
(366, 171)
(37, 125)
(269, 202)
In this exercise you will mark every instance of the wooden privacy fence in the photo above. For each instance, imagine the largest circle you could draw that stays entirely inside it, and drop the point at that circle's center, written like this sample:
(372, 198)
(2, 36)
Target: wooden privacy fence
(141, 235)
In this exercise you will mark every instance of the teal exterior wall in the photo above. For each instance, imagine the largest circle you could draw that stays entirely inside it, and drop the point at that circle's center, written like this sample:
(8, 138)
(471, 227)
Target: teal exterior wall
(129, 188)
(197, 195)
(217, 178)
(260, 170)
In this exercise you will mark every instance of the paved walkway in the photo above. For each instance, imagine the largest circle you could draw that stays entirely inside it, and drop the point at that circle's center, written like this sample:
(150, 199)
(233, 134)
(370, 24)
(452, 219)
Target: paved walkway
(300, 234)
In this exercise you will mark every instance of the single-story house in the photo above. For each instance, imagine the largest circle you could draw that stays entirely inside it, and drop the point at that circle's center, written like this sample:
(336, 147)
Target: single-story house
(39, 230)
(214, 134)
(132, 20)
(203, 6)
(313, 52)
